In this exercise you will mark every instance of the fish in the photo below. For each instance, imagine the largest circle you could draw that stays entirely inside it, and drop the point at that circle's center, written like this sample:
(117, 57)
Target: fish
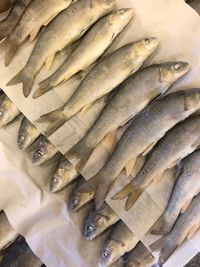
(9, 23)
(98, 221)
(132, 96)
(185, 188)
(178, 142)
(58, 35)
(93, 45)
(27, 134)
(8, 111)
(44, 151)
(20, 255)
(7, 233)
(143, 133)
(99, 82)
(195, 4)
(119, 241)
(64, 174)
(140, 256)
(185, 227)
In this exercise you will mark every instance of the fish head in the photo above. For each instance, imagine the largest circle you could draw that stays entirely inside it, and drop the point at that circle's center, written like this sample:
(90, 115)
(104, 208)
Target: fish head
(192, 99)
(63, 175)
(106, 5)
(23, 140)
(119, 16)
(4, 116)
(172, 71)
(144, 47)
(79, 199)
(7, 111)
(111, 252)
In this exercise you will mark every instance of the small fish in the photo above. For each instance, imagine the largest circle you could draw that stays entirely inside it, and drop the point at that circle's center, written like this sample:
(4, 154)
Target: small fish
(20, 255)
(45, 151)
(185, 227)
(7, 233)
(98, 221)
(8, 111)
(65, 173)
(58, 35)
(186, 187)
(98, 39)
(144, 131)
(131, 97)
(178, 142)
(119, 241)
(27, 134)
(9, 23)
(99, 82)
(195, 4)
(140, 256)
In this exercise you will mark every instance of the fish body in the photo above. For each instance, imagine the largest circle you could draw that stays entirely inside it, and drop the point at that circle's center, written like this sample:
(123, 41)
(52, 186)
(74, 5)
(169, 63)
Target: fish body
(58, 34)
(131, 97)
(8, 111)
(65, 173)
(93, 45)
(186, 187)
(195, 4)
(45, 151)
(27, 134)
(99, 82)
(184, 228)
(98, 221)
(20, 255)
(8, 24)
(119, 241)
(7, 233)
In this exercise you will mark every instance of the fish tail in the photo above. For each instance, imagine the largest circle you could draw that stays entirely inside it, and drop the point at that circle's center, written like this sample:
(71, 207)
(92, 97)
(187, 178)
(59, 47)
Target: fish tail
(166, 246)
(9, 48)
(55, 125)
(51, 116)
(162, 226)
(82, 152)
(24, 77)
(45, 86)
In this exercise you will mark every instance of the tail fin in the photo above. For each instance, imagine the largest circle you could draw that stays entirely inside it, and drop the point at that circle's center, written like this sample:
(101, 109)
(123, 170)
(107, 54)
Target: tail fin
(166, 246)
(51, 116)
(82, 152)
(162, 226)
(10, 49)
(45, 86)
(55, 125)
(23, 77)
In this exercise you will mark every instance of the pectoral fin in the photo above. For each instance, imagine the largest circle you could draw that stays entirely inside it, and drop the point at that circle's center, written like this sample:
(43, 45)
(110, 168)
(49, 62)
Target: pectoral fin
(130, 165)
(49, 61)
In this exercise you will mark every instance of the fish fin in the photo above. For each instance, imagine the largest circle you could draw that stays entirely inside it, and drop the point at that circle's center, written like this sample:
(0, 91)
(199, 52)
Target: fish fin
(161, 227)
(133, 196)
(85, 109)
(82, 152)
(130, 166)
(124, 192)
(44, 87)
(55, 125)
(166, 246)
(110, 138)
(49, 61)
(10, 49)
(102, 192)
(156, 178)
(186, 205)
(192, 231)
(51, 116)
(149, 148)
(23, 77)
(34, 33)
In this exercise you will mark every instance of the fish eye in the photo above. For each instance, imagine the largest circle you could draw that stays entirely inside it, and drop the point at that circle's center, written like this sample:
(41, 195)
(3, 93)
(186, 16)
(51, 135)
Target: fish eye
(60, 170)
(40, 153)
(22, 138)
(54, 180)
(121, 12)
(75, 202)
(90, 228)
(176, 66)
(147, 40)
(1, 113)
(106, 253)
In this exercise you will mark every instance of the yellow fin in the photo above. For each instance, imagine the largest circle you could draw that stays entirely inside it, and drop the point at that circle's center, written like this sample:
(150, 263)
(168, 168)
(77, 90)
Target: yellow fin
(49, 61)
(192, 231)
(85, 109)
(130, 165)
(148, 149)
(185, 205)
(33, 34)
(110, 138)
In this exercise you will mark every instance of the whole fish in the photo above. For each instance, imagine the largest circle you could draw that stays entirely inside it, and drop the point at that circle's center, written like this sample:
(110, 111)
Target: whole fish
(27, 134)
(7, 233)
(99, 82)
(179, 142)
(20, 255)
(186, 187)
(57, 35)
(9, 23)
(8, 111)
(119, 241)
(144, 131)
(98, 221)
(185, 227)
(65, 173)
(131, 97)
(195, 4)
(140, 256)
(44, 151)
(98, 39)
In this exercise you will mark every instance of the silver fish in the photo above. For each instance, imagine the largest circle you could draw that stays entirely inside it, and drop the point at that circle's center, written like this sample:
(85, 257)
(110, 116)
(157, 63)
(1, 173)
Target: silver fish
(8, 111)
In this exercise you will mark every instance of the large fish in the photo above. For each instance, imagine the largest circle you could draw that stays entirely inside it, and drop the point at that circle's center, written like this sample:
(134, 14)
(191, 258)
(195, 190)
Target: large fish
(186, 187)
(144, 131)
(64, 174)
(179, 142)
(185, 227)
(27, 134)
(44, 151)
(99, 82)
(98, 221)
(131, 97)
(98, 39)
(119, 241)
(9, 23)
(8, 111)
(20, 255)
(58, 34)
